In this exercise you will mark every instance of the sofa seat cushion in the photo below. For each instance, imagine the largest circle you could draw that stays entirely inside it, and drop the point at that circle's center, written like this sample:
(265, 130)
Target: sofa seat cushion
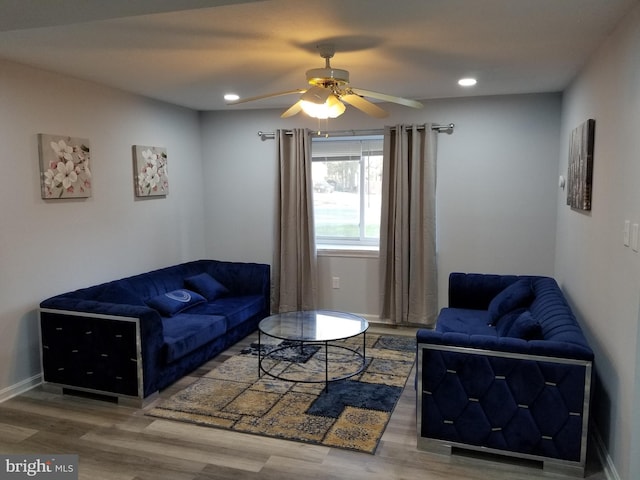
(185, 332)
(467, 321)
(237, 310)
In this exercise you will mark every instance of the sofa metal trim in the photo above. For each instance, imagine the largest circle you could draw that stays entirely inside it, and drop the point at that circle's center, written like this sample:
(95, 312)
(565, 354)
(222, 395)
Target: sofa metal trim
(126, 399)
(549, 463)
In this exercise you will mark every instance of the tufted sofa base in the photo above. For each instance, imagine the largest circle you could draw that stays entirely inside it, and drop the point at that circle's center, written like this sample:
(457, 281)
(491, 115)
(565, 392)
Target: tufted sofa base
(506, 403)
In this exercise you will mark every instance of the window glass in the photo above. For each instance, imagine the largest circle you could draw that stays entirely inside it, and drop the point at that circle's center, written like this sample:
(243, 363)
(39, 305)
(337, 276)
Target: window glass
(347, 188)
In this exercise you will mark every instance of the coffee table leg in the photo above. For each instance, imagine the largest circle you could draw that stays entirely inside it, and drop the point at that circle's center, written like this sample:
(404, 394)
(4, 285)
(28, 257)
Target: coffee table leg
(326, 367)
(259, 350)
(364, 349)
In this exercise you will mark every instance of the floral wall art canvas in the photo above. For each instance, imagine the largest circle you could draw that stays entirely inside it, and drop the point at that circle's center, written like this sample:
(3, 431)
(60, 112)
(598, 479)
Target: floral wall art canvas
(64, 166)
(151, 176)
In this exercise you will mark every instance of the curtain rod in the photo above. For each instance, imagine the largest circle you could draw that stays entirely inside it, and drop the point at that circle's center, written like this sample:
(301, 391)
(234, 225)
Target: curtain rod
(448, 129)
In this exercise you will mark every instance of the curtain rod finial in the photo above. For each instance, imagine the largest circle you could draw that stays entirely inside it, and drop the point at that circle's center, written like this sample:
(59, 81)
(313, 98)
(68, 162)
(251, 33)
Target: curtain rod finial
(448, 129)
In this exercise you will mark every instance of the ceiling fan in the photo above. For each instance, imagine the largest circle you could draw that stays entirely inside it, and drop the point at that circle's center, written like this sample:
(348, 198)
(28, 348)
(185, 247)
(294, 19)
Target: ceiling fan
(328, 89)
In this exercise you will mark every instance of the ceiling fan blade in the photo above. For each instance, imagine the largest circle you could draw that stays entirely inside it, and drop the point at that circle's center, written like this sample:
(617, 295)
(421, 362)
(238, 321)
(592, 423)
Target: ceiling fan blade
(387, 98)
(268, 95)
(293, 110)
(365, 105)
(316, 95)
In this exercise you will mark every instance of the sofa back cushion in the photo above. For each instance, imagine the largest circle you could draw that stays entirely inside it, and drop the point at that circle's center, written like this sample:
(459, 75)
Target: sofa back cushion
(157, 282)
(118, 292)
(553, 313)
(476, 290)
(238, 278)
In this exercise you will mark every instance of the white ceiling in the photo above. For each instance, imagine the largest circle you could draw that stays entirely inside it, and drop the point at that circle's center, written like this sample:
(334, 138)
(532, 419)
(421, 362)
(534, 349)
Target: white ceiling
(191, 52)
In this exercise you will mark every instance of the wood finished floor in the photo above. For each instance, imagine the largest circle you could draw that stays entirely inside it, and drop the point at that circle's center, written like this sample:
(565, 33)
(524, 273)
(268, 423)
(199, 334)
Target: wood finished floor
(116, 442)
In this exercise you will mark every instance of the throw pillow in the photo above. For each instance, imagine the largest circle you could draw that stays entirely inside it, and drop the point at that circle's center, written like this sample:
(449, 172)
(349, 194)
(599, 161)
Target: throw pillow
(206, 285)
(525, 327)
(171, 303)
(517, 295)
(505, 322)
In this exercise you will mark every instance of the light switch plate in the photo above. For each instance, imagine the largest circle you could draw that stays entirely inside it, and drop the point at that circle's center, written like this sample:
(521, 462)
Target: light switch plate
(634, 237)
(626, 232)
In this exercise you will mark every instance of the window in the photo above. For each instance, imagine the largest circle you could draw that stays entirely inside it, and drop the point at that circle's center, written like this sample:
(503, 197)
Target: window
(347, 189)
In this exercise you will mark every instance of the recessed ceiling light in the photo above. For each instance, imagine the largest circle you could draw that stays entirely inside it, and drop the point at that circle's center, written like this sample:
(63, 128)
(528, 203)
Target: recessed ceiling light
(231, 97)
(467, 82)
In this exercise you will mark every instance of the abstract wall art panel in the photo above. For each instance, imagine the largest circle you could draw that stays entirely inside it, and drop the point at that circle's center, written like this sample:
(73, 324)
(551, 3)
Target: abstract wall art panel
(580, 174)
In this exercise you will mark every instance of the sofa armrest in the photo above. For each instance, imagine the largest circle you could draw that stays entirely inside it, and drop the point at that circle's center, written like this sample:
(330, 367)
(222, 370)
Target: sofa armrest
(101, 347)
(527, 405)
(476, 290)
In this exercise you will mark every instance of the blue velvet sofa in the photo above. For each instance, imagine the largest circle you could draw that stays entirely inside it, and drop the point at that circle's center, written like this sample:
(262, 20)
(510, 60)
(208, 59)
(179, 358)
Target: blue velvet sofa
(506, 370)
(131, 337)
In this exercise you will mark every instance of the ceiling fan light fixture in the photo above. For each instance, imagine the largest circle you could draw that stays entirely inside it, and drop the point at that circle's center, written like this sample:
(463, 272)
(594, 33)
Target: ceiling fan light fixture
(317, 95)
(332, 108)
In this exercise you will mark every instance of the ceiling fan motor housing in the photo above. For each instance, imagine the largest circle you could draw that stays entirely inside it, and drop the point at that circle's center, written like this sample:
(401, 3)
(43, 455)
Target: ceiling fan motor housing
(327, 76)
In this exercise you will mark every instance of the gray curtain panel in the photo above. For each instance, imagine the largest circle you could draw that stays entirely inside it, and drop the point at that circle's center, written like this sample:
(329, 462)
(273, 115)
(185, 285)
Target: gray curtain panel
(294, 262)
(408, 280)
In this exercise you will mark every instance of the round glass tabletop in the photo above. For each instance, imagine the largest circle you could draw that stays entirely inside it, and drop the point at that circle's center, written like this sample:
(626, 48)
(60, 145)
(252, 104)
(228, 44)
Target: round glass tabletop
(313, 325)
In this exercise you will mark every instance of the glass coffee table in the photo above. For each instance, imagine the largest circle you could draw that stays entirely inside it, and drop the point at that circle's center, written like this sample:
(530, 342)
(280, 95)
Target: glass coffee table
(314, 327)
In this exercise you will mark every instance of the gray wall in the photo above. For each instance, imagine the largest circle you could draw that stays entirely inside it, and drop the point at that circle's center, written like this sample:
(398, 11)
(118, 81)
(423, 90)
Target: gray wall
(49, 247)
(499, 207)
(496, 189)
(600, 276)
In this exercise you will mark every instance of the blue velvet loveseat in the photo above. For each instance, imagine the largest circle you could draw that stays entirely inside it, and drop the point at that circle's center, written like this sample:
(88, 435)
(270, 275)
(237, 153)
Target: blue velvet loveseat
(506, 370)
(131, 337)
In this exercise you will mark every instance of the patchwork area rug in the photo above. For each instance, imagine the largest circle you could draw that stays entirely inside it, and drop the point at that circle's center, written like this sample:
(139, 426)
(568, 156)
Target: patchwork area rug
(353, 414)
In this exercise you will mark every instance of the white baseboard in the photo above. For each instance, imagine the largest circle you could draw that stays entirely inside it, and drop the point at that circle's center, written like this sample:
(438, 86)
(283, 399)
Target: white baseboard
(370, 318)
(608, 467)
(20, 387)
(376, 320)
